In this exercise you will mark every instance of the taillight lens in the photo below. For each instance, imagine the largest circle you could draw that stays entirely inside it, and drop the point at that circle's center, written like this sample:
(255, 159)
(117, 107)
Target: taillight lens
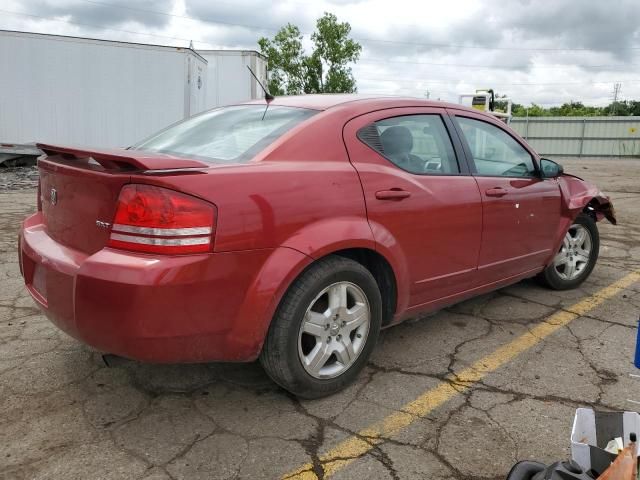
(158, 220)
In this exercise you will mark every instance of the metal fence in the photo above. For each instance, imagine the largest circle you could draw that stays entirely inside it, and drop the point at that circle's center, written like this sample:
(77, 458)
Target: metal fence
(581, 136)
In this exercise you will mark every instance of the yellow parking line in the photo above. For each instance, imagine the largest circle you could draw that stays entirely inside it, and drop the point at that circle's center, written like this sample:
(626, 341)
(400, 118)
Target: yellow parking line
(353, 447)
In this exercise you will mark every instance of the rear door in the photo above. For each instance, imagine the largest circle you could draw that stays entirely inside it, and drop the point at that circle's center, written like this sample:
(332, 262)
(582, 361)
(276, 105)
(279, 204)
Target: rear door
(421, 201)
(521, 211)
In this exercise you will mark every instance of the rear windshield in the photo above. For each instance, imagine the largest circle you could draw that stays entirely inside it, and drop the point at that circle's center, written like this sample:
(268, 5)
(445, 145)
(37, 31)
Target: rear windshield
(226, 135)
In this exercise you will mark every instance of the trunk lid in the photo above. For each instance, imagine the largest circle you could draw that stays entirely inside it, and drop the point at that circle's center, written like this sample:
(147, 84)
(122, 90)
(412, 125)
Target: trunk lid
(79, 189)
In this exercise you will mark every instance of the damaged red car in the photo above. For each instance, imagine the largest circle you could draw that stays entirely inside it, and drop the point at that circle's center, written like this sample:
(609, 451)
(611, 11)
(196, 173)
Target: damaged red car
(294, 233)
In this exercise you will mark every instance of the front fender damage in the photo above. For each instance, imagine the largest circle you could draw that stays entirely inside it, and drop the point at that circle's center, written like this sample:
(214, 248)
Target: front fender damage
(578, 195)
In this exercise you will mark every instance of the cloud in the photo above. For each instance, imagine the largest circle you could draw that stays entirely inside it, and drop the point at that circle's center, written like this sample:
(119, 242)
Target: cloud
(259, 16)
(603, 26)
(409, 46)
(104, 12)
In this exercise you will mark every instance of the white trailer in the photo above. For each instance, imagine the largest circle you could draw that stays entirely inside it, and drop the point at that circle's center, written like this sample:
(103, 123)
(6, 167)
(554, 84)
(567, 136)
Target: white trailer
(103, 93)
(70, 90)
(229, 81)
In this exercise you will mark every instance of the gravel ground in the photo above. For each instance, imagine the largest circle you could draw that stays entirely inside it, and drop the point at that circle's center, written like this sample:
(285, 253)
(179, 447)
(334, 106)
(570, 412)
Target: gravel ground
(18, 178)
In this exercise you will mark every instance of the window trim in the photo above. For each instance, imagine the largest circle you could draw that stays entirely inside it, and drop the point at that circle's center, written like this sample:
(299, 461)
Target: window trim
(469, 154)
(456, 145)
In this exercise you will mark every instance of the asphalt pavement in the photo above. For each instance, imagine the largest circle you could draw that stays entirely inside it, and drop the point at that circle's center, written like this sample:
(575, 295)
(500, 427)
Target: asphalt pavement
(463, 393)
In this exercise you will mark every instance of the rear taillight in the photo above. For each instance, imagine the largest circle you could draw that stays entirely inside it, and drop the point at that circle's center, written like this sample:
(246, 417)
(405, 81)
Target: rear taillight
(158, 220)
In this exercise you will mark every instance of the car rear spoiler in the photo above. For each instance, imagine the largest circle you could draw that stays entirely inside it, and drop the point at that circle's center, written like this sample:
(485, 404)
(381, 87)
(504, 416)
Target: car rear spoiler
(120, 159)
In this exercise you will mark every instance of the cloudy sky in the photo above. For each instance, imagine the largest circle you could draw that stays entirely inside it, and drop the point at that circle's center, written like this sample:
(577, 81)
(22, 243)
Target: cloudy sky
(542, 51)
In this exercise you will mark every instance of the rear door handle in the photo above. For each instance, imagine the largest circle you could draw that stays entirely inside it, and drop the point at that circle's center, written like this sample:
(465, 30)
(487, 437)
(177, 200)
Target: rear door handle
(495, 192)
(393, 194)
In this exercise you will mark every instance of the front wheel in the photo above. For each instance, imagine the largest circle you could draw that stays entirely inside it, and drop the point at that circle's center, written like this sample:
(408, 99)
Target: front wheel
(577, 256)
(325, 328)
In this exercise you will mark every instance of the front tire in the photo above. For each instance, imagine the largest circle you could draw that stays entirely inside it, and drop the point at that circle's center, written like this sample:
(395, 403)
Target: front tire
(577, 256)
(324, 329)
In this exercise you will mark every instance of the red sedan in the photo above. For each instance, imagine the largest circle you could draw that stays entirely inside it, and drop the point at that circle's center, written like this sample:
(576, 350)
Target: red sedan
(295, 234)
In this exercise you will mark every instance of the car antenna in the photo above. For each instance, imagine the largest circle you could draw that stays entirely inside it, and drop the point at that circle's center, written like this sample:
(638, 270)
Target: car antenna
(267, 96)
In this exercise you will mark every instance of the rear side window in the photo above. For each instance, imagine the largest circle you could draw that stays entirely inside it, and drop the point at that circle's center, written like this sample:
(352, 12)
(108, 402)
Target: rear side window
(418, 144)
(495, 152)
(226, 135)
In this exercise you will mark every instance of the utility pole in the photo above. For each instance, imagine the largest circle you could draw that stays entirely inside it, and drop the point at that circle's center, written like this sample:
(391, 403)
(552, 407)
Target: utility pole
(428, 94)
(616, 94)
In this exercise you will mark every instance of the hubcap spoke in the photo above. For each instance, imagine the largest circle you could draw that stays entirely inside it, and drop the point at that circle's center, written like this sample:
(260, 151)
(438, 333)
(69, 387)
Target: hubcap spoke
(314, 324)
(337, 297)
(318, 357)
(560, 259)
(584, 251)
(581, 236)
(355, 317)
(570, 269)
(581, 257)
(344, 351)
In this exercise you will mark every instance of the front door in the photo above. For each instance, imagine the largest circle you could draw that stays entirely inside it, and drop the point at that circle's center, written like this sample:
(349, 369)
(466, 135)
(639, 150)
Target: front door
(521, 211)
(420, 202)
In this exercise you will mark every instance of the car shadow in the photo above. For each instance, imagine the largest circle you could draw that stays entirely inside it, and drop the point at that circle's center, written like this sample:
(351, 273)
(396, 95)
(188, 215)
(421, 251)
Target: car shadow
(157, 379)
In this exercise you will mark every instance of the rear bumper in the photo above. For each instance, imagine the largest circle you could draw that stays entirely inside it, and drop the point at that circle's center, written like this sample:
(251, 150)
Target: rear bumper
(192, 308)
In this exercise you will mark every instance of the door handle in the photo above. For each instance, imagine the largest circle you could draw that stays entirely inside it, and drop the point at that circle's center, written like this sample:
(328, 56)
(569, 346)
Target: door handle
(495, 192)
(393, 194)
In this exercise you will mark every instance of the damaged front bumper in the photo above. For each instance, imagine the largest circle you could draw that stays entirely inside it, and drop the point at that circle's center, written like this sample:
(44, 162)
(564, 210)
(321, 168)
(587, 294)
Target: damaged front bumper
(603, 208)
(578, 195)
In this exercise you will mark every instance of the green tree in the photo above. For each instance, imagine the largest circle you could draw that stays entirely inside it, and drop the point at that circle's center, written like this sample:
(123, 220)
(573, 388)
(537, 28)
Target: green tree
(620, 108)
(578, 109)
(634, 107)
(325, 70)
(286, 61)
(532, 111)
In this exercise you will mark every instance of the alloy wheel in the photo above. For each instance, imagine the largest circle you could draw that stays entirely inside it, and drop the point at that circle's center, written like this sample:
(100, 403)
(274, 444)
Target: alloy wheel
(334, 330)
(575, 253)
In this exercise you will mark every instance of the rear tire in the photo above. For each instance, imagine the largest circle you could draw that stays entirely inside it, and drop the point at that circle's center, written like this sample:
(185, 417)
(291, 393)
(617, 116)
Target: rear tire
(576, 258)
(325, 328)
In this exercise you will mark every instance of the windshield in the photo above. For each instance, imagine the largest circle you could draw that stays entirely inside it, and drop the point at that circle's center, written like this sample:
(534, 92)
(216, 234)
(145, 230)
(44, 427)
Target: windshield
(226, 135)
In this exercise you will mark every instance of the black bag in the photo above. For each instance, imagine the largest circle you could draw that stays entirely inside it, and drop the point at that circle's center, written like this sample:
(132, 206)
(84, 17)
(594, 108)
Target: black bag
(567, 470)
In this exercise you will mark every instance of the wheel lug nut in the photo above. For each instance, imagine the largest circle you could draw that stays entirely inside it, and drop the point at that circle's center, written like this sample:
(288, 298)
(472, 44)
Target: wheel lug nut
(339, 337)
(359, 335)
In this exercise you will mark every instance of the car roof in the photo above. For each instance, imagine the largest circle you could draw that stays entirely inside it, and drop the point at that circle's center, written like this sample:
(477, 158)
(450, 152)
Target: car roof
(326, 101)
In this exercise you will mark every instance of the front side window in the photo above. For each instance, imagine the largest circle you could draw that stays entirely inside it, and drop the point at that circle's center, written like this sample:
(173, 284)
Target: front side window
(495, 153)
(226, 135)
(418, 144)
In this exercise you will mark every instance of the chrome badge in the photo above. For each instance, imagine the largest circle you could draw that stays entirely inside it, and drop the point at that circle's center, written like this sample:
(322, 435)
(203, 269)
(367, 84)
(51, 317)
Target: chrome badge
(101, 224)
(53, 196)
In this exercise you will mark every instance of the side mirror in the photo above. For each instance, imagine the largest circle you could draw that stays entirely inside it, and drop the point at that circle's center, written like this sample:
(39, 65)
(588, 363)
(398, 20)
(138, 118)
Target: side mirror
(550, 169)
